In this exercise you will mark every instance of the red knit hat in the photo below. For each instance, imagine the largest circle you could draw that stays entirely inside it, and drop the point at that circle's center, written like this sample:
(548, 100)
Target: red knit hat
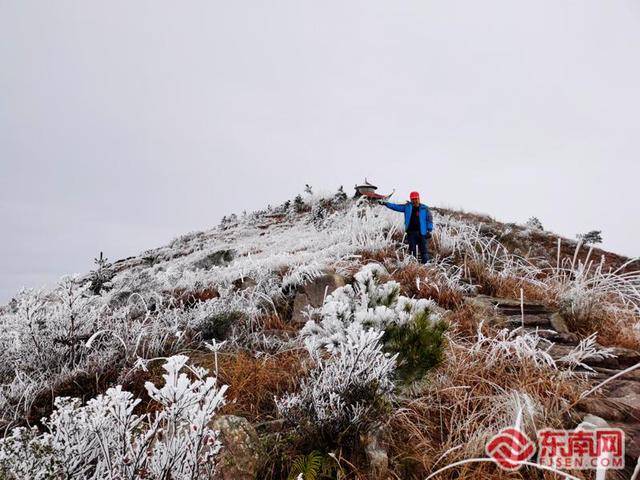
(413, 195)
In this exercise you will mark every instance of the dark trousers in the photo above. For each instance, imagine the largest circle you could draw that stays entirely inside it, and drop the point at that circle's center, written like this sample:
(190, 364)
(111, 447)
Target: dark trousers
(418, 242)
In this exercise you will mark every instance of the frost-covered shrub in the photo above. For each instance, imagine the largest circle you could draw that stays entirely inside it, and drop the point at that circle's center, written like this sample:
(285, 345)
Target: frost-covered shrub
(340, 197)
(298, 204)
(534, 224)
(218, 325)
(362, 333)
(185, 239)
(346, 390)
(101, 276)
(590, 238)
(410, 327)
(49, 330)
(318, 214)
(228, 221)
(105, 439)
(49, 336)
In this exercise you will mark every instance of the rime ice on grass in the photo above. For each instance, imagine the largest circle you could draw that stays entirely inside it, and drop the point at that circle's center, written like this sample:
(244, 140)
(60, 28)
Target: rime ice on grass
(106, 439)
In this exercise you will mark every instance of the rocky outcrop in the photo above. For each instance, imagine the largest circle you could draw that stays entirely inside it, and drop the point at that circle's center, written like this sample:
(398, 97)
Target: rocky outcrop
(510, 307)
(215, 259)
(376, 454)
(313, 293)
(244, 283)
(558, 323)
(619, 407)
(240, 454)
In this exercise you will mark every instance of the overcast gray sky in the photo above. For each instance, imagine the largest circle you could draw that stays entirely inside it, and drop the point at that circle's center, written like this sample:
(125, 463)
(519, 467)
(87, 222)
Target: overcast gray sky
(126, 123)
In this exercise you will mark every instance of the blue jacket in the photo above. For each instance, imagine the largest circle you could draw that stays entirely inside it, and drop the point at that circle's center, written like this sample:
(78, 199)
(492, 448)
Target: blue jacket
(424, 214)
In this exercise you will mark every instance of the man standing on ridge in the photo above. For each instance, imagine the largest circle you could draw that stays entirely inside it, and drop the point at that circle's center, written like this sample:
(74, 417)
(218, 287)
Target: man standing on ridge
(418, 224)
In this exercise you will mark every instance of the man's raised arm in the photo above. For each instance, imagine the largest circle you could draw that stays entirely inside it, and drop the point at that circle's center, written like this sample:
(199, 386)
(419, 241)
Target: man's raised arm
(394, 206)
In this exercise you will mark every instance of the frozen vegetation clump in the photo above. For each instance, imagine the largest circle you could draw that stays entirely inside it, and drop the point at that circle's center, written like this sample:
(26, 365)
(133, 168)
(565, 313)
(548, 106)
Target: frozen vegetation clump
(231, 289)
(590, 238)
(532, 348)
(203, 285)
(105, 439)
(367, 337)
(410, 328)
(101, 276)
(534, 224)
(346, 390)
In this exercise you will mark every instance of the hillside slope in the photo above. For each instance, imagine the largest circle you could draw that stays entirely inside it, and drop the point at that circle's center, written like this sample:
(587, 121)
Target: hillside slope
(331, 350)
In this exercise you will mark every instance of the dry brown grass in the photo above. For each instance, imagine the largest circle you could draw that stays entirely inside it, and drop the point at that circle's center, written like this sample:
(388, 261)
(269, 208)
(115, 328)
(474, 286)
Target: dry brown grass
(544, 245)
(465, 320)
(472, 217)
(382, 256)
(254, 382)
(614, 328)
(463, 404)
(133, 381)
(190, 298)
(83, 384)
(275, 322)
(430, 285)
(502, 285)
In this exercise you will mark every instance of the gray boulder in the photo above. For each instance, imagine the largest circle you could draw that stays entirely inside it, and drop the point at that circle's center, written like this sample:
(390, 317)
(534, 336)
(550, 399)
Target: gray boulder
(239, 457)
(559, 323)
(313, 294)
(215, 259)
(376, 454)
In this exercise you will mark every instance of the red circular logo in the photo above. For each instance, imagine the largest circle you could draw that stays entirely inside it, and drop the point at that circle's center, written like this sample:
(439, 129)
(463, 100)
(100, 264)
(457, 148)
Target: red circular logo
(510, 448)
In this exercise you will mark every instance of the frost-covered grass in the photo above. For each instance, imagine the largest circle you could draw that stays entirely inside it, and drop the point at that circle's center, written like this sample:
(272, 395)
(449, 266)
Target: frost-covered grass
(531, 347)
(364, 339)
(596, 298)
(411, 328)
(583, 285)
(480, 388)
(160, 302)
(105, 439)
(483, 259)
(50, 337)
(511, 344)
(353, 366)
